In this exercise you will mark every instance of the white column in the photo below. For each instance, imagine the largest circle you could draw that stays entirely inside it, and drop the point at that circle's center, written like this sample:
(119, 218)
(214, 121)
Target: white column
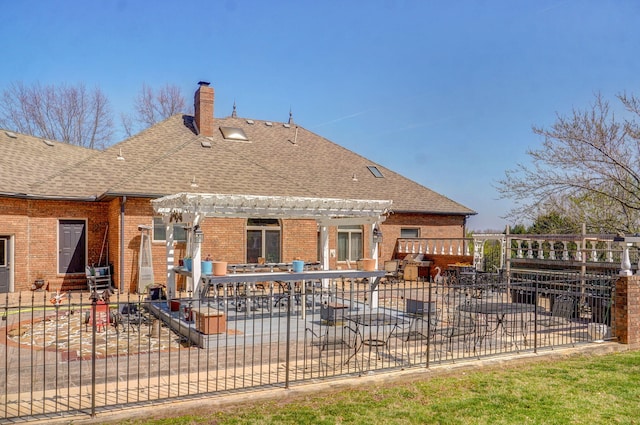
(373, 249)
(625, 265)
(324, 253)
(171, 276)
(196, 271)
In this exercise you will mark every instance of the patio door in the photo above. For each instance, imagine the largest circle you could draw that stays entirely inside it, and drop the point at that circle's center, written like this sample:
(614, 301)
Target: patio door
(72, 246)
(4, 264)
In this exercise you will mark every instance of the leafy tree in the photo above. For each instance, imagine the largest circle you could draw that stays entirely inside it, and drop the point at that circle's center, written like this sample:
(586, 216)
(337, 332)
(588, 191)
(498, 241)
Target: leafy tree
(553, 223)
(518, 229)
(586, 170)
(70, 114)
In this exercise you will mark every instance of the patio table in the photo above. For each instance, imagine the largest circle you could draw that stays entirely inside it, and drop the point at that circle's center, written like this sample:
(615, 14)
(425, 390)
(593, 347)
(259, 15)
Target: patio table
(373, 330)
(499, 312)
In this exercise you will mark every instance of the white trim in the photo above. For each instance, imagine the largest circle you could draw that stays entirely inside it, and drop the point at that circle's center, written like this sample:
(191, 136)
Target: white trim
(245, 206)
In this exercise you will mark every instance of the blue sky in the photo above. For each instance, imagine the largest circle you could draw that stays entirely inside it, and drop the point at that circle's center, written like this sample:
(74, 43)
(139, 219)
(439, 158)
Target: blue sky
(444, 93)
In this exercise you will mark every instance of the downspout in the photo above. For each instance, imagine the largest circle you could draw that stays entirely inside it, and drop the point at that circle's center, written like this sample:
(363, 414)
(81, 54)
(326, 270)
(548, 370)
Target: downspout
(122, 204)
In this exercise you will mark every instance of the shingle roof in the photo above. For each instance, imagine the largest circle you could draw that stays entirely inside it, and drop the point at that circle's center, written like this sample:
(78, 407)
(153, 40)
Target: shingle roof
(27, 162)
(279, 160)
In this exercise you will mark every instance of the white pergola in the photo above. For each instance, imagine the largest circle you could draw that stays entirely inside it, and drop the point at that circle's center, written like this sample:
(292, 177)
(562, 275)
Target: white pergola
(192, 208)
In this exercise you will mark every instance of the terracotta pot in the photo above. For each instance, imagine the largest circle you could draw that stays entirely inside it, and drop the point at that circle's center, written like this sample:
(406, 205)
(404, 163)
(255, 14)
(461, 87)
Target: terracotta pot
(368, 264)
(219, 268)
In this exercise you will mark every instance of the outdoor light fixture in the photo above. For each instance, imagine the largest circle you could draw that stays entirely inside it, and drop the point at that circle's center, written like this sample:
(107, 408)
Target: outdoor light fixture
(198, 236)
(193, 182)
(377, 235)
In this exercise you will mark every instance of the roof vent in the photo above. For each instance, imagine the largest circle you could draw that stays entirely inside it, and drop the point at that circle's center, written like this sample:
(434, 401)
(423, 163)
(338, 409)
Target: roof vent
(205, 144)
(250, 122)
(234, 133)
(11, 134)
(47, 142)
(268, 123)
(285, 125)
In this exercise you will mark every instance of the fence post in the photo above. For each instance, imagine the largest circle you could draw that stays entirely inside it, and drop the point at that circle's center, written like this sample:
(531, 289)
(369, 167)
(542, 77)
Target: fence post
(288, 338)
(626, 311)
(94, 303)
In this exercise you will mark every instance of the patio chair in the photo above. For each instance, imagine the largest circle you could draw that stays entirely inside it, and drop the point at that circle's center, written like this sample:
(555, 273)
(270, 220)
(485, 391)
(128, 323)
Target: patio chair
(421, 329)
(332, 343)
(463, 328)
(101, 319)
(562, 312)
(128, 314)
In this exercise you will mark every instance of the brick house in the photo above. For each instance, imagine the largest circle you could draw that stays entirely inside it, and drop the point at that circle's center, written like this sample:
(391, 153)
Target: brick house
(64, 207)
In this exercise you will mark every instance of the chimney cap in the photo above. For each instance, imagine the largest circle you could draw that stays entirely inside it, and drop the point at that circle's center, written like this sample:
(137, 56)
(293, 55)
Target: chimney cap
(203, 83)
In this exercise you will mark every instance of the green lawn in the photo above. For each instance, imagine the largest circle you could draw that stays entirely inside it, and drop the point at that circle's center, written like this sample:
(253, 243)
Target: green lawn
(579, 390)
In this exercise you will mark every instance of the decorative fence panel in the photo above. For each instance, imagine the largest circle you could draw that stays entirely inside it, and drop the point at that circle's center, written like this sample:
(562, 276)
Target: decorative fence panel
(78, 355)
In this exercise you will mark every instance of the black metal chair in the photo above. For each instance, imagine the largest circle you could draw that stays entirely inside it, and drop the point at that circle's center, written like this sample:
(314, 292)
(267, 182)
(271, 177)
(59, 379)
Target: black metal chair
(421, 329)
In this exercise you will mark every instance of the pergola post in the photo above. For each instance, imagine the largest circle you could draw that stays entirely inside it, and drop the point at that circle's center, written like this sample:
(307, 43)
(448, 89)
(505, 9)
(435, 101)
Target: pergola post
(170, 252)
(373, 250)
(324, 254)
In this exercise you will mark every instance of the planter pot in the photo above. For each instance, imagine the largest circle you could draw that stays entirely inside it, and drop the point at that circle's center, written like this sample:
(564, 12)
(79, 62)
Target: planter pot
(298, 266)
(188, 264)
(219, 268)
(368, 264)
(174, 305)
(207, 267)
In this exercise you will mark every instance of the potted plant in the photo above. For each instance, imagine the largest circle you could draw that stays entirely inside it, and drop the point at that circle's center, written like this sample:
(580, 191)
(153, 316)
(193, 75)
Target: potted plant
(207, 265)
(188, 263)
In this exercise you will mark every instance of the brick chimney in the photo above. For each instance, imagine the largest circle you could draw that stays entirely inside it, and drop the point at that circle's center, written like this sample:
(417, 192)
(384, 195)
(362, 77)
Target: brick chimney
(203, 106)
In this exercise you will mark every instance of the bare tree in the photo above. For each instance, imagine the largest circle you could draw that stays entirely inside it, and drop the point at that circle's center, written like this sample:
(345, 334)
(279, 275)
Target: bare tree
(587, 169)
(152, 107)
(63, 113)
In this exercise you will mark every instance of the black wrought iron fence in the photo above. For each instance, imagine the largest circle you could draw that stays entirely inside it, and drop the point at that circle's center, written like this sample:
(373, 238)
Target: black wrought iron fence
(79, 354)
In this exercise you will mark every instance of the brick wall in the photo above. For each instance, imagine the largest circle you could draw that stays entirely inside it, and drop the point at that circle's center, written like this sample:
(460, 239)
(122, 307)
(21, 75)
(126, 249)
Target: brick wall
(33, 225)
(626, 311)
(431, 226)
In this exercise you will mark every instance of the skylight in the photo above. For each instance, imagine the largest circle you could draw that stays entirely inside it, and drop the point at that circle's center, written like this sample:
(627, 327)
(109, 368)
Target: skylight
(374, 170)
(234, 133)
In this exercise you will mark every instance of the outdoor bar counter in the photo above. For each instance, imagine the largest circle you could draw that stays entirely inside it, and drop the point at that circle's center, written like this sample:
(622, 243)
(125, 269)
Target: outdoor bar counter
(290, 278)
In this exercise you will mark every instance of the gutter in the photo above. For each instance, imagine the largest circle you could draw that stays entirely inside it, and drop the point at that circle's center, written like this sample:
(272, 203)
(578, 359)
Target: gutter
(112, 195)
(435, 212)
(91, 198)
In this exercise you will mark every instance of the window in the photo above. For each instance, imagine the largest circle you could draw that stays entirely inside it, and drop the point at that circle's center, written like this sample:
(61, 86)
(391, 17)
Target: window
(374, 170)
(349, 243)
(263, 240)
(160, 231)
(409, 233)
(233, 133)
